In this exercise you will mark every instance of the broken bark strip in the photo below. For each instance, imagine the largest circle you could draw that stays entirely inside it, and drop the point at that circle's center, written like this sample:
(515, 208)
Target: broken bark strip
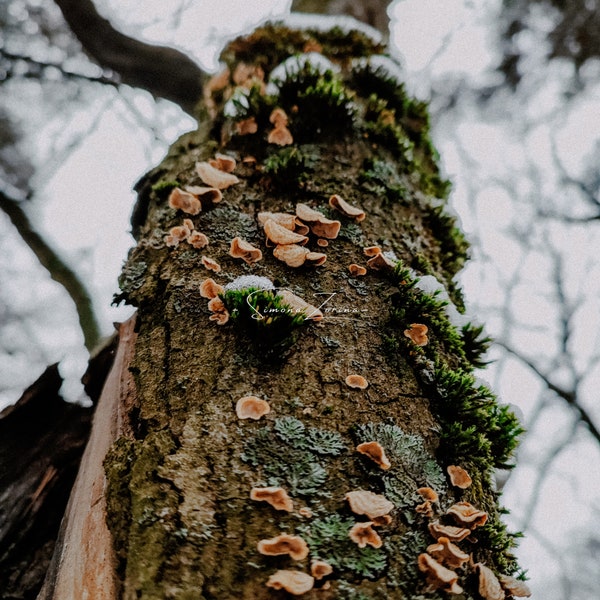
(83, 565)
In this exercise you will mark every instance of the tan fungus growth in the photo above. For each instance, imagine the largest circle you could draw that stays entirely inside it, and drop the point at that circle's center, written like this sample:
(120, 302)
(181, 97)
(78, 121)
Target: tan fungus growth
(489, 586)
(382, 521)
(438, 576)
(214, 177)
(198, 240)
(319, 224)
(278, 117)
(322, 242)
(515, 587)
(299, 305)
(372, 250)
(220, 317)
(417, 333)
(251, 407)
(189, 224)
(223, 162)
(346, 209)
(246, 126)
(280, 235)
(363, 502)
(210, 264)
(292, 545)
(316, 259)
(291, 254)
(210, 289)
(244, 250)
(184, 201)
(356, 270)
(425, 509)
(209, 194)
(459, 477)
(247, 75)
(364, 535)
(447, 553)
(320, 569)
(428, 494)
(357, 382)
(282, 219)
(454, 534)
(220, 313)
(176, 235)
(375, 451)
(466, 515)
(281, 136)
(305, 512)
(380, 262)
(293, 582)
(277, 497)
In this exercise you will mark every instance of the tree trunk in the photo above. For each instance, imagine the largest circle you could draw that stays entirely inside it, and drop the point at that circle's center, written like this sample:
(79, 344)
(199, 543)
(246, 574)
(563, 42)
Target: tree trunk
(179, 476)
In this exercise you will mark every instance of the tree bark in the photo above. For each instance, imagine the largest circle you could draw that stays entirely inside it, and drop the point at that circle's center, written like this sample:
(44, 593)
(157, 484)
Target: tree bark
(178, 480)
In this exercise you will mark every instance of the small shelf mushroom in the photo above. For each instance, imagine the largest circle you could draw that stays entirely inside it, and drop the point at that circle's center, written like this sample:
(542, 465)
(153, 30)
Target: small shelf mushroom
(364, 535)
(357, 270)
(489, 586)
(292, 545)
(210, 264)
(357, 382)
(184, 201)
(320, 569)
(447, 553)
(293, 582)
(459, 477)
(466, 515)
(375, 451)
(438, 576)
(363, 502)
(277, 497)
(210, 289)
(244, 250)
(417, 333)
(251, 407)
(454, 534)
(215, 178)
(346, 209)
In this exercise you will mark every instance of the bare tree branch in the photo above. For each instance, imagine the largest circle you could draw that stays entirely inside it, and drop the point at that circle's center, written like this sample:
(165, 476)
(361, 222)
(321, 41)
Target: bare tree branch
(164, 72)
(58, 270)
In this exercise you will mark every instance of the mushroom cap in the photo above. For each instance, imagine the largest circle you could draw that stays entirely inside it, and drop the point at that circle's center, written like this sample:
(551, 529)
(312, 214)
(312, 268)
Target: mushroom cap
(363, 534)
(278, 117)
(466, 515)
(210, 264)
(210, 194)
(308, 214)
(459, 477)
(292, 545)
(220, 317)
(357, 270)
(216, 305)
(251, 407)
(179, 232)
(372, 250)
(277, 497)
(291, 254)
(375, 451)
(319, 224)
(198, 240)
(284, 219)
(425, 509)
(245, 73)
(454, 534)
(438, 576)
(447, 553)
(210, 289)
(346, 209)
(320, 568)
(381, 521)
(428, 494)
(417, 333)
(246, 126)
(357, 382)
(293, 582)
(280, 235)
(316, 259)
(184, 201)
(299, 305)
(223, 162)
(380, 262)
(363, 502)
(489, 586)
(322, 242)
(214, 177)
(244, 250)
(281, 136)
(515, 587)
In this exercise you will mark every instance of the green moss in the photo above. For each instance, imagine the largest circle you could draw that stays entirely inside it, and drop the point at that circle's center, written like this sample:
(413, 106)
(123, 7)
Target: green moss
(328, 539)
(475, 344)
(163, 188)
(381, 178)
(292, 164)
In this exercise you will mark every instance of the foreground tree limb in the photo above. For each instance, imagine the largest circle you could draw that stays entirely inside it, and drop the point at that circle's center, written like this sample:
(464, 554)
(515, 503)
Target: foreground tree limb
(164, 72)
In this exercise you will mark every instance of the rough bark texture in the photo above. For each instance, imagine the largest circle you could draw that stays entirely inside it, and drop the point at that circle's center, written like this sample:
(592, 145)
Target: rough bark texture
(180, 475)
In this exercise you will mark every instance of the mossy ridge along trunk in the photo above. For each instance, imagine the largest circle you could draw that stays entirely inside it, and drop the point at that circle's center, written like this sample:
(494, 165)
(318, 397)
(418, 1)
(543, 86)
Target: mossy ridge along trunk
(179, 484)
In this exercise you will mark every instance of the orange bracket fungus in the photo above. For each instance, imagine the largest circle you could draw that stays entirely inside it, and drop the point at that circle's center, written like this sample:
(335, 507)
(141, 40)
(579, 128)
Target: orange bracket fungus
(278, 234)
(489, 586)
(322, 242)
(284, 219)
(278, 117)
(215, 178)
(514, 587)
(356, 270)
(223, 162)
(346, 209)
(244, 250)
(428, 494)
(277, 497)
(380, 262)
(363, 502)
(291, 254)
(319, 224)
(197, 239)
(176, 235)
(425, 509)
(210, 264)
(320, 569)
(372, 251)
(298, 305)
(363, 534)
(209, 194)
(417, 333)
(210, 289)
(376, 453)
(292, 545)
(454, 534)
(184, 201)
(459, 477)
(438, 576)
(293, 582)
(466, 515)
(251, 407)
(281, 136)
(246, 126)
(357, 382)
(448, 553)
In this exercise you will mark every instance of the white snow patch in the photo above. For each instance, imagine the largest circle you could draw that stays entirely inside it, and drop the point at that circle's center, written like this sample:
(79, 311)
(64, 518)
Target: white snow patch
(250, 281)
